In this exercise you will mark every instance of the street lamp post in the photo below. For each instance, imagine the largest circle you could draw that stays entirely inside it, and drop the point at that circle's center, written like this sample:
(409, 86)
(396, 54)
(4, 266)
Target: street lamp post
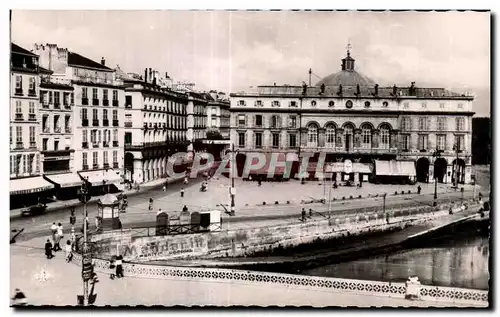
(436, 155)
(87, 269)
(456, 149)
(231, 189)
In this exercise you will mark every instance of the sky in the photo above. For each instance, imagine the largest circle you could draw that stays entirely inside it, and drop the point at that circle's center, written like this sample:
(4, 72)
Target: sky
(232, 50)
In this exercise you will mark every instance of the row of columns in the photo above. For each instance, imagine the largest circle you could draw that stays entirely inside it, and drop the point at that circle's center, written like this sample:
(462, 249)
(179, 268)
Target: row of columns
(357, 138)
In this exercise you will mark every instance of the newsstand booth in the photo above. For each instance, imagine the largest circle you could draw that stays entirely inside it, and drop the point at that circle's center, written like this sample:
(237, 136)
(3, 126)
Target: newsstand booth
(108, 213)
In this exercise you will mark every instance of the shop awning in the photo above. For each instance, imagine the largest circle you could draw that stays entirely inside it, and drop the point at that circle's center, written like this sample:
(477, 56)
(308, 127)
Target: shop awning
(278, 170)
(338, 167)
(395, 168)
(29, 185)
(65, 180)
(102, 177)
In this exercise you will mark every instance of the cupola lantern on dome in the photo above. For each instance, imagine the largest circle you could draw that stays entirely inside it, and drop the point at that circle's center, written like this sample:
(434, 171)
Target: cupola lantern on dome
(347, 76)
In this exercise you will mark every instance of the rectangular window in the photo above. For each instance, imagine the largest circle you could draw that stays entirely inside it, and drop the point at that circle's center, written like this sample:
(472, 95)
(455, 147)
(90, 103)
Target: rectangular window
(51, 98)
(441, 123)
(115, 156)
(72, 95)
(422, 142)
(441, 142)
(293, 103)
(93, 136)
(95, 114)
(115, 114)
(293, 122)
(276, 140)
(24, 164)
(241, 139)
(459, 124)
(441, 105)
(84, 136)
(84, 159)
(258, 140)
(45, 144)
(105, 114)
(57, 98)
(85, 92)
(406, 105)
(115, 135)
(32, 83)
(275, 122)
(94, 93)
(65, 98)
(19, 135)
(94, 158)
(405, 123)
(19, 108)
(19, 82)
(115, 94)
(105, 157)
(83, 114)
(258, 120)
(276, 103)
(405, 142)
(292, 140)
(12, 166)
(30, 163)
(258, 103)
(460, 106)
(105, 94)
(56, 145)
(241, 120)
(32, 136)
(31, 108)
(241, 102)
(422, 123)
(460, 142)
(214, 122)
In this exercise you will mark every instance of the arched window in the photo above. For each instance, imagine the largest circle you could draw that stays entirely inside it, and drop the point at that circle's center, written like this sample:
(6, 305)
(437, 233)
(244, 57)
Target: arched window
(348, 136)
(312, 136)
(366, 141)
(330, 136)
(384, 137)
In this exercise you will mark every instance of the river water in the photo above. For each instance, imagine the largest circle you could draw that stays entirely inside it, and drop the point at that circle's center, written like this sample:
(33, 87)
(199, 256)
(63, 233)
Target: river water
(451, 261)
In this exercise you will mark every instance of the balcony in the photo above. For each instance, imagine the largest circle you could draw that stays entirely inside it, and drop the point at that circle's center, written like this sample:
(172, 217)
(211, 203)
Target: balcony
(45, 105)
(95, 166)
(95, 145)
(105, 165)
(115, 143)
(128, 106)
(343, 150)
(95, 102)
(105, 102)
(32, 92)
(85, 145)
(95, 123)
(18, 92)
(19, 117)
(115, 123)
(115, 165)
(67, 107)
(85, 101)
(32, 145)
(85, 167)
(57, 105)
(19, 145)
(85, 122)
(105, 123)
(115, 103)
(68, 130)
(57, 129)
(46, 129)
(32, 117)
(128, 124)
(105, 144)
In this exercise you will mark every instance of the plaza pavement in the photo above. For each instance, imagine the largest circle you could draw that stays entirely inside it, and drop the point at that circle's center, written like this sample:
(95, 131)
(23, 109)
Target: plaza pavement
(55, 282)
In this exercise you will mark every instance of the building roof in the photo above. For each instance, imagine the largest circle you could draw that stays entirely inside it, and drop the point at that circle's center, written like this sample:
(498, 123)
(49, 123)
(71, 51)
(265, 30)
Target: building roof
(44, 70)
(346, 78)
(14, 48)
(75, 59)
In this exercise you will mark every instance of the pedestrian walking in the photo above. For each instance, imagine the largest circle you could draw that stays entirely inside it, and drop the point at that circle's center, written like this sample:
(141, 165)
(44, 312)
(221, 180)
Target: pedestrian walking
(119, 266)
(186, 181)
(53, 230)
(185, 208)
(59, 236)
(19, 299)
(48, 249)
(112, 266)
(182, 192)
(73, 239)
(68, 250)
(150, 203)
(419, 189)
(303, 214)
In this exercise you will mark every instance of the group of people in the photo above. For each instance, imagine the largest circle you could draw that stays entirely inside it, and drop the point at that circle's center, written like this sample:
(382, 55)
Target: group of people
(57, 234)
(116, 264)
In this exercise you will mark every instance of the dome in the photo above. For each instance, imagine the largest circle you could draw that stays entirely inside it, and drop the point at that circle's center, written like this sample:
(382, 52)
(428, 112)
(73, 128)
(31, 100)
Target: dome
(346, 78)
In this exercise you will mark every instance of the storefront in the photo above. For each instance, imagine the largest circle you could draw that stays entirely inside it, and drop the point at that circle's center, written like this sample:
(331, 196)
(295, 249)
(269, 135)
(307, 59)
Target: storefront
(102, 181)
(395, 172)
(29, 191)
(66, 185)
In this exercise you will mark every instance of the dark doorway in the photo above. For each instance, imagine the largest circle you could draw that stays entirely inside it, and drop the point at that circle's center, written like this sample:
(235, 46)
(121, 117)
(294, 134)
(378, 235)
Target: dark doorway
(440, 169)
(240, 163)
(423, 170)
(348, 142)
(129, 165)
(458, 171)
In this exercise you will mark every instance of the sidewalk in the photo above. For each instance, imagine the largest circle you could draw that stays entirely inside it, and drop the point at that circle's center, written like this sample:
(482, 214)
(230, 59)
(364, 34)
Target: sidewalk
(55, 282)
(64, 204)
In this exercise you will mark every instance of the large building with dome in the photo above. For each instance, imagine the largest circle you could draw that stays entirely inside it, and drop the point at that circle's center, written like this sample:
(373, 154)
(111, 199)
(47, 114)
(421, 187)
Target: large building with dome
(388, 133)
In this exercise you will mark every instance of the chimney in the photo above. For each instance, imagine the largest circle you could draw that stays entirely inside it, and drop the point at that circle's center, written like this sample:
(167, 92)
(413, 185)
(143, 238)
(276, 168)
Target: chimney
(103, 61)
(146, 75)
(150, 75)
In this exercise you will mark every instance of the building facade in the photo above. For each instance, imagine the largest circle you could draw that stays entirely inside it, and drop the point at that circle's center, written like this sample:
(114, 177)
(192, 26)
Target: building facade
(347, 116)
(26, 182)
(155, 127)
(98, 112)
(218, 116)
